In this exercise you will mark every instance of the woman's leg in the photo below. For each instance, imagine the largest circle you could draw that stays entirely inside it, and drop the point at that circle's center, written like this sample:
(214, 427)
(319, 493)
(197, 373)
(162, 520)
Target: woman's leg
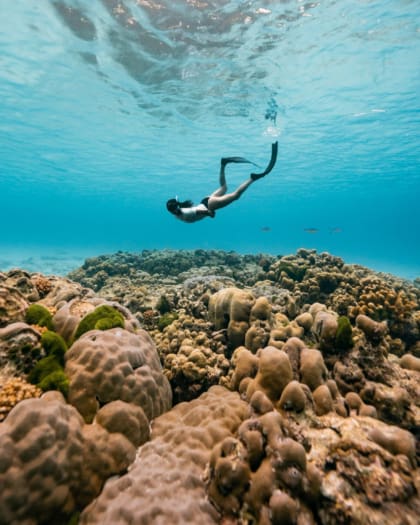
(220, 199)
(222, 177)
(222, 180)
(217, 201)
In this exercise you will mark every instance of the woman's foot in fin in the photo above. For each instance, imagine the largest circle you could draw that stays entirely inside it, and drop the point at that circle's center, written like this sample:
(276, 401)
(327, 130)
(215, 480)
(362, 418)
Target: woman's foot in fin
(271, 164)
(227, 160)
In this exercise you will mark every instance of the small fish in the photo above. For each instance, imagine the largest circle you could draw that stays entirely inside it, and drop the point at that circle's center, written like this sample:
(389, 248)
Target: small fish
(310, 230)
(335, 230)
(265, 228)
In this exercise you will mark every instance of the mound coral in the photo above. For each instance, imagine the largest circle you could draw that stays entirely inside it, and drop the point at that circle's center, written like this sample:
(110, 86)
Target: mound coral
(82, 314)
(21, 281)
(410, 362)
(51, 463)
(274, 372)
(115, 364)
(301, 435)
(373, 330)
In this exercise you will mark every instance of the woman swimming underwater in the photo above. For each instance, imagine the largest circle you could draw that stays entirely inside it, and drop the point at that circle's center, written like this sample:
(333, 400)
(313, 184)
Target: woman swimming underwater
(187, 212)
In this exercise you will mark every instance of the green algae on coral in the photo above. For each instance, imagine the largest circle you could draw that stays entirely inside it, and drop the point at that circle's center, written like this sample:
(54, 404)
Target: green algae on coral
(166, 319)
(48, 372)
(54, 345)
(56, 380)
(343, 336)
(39, 315)
(44, 367)
(103, 317)
(163, 306)
(293, 271)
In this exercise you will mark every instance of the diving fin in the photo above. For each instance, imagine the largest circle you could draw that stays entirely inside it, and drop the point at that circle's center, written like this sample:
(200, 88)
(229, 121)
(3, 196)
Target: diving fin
(227, 160)
(274, 148)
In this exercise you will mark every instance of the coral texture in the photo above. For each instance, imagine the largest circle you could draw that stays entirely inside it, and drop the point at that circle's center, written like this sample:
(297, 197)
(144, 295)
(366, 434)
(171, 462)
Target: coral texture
(165, 484)
(51, 464)
(105, 366)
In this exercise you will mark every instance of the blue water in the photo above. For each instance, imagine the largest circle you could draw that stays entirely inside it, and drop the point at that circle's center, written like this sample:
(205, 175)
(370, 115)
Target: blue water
(109, 108)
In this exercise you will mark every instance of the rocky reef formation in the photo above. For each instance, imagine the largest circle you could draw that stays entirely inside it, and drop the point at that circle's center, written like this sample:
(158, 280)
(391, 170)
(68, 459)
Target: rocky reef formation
(210, 387)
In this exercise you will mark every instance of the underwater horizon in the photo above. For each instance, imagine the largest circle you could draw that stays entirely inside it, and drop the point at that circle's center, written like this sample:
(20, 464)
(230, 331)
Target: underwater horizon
(109, 108)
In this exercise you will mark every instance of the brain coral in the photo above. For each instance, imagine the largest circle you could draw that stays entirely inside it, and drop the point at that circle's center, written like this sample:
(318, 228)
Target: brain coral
(165, 484)
(12, 305)
(51, 463)
(115, 364)
(21, 280)
(20, 345)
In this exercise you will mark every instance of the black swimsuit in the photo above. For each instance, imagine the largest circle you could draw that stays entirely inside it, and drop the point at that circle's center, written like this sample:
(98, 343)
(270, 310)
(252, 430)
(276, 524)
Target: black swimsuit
(205, 203)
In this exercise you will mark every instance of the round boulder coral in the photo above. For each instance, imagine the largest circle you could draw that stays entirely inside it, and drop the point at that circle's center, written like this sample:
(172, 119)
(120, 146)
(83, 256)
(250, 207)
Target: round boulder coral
(41, 460)
(52, 464)
(125, 418)
(111, 365)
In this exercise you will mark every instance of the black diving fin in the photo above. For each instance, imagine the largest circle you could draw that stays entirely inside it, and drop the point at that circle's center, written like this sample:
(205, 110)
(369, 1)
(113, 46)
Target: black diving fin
(271, 164)
(227, 160)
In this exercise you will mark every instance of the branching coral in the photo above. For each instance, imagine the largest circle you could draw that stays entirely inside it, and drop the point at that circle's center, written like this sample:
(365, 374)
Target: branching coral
(13, 391)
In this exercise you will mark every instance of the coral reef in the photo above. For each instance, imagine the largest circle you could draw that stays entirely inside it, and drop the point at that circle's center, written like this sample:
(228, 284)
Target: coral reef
(295, 383)
(165, 484)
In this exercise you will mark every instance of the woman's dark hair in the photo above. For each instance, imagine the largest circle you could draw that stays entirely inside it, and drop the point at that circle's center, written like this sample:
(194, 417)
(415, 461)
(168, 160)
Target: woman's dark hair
(173, 205)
